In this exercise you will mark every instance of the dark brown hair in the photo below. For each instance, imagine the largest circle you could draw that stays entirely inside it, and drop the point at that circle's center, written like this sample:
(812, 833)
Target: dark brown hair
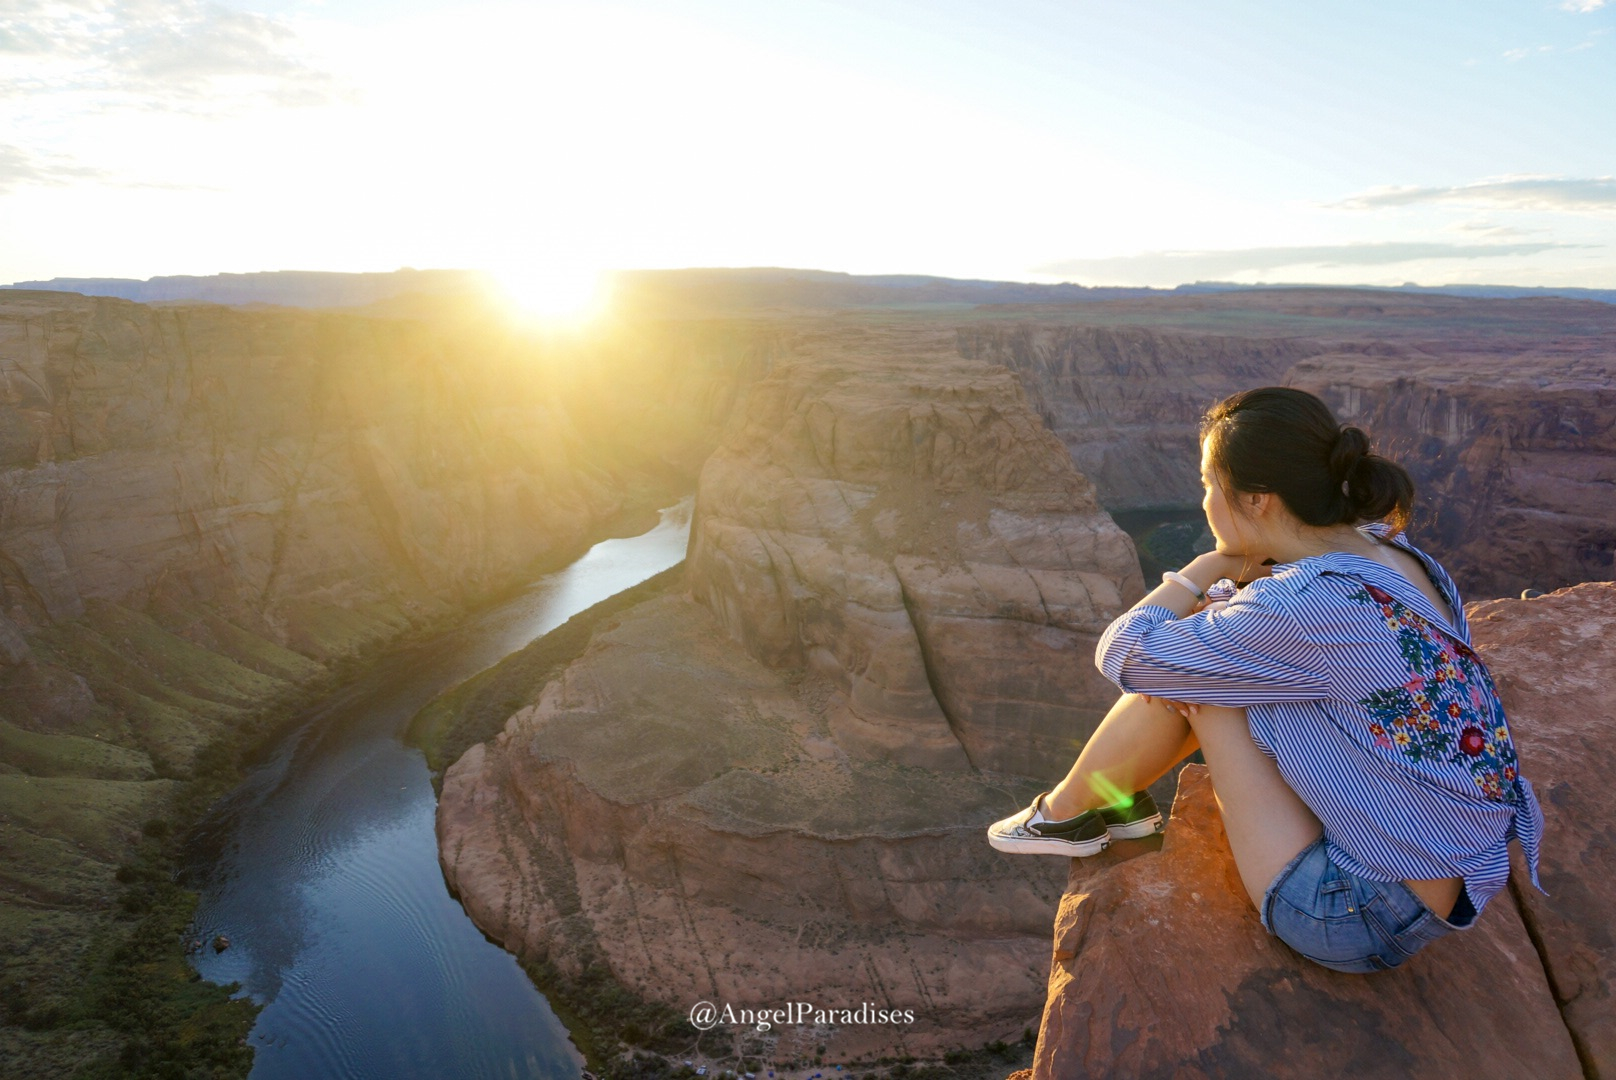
(1288, 442)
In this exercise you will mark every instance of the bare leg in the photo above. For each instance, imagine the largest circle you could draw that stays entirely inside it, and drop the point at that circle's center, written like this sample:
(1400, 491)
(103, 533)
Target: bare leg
(1268, 823)
(1136, 743)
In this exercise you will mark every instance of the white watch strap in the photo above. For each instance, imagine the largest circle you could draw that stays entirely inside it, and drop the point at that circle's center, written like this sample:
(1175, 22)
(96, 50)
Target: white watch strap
(1175, 578)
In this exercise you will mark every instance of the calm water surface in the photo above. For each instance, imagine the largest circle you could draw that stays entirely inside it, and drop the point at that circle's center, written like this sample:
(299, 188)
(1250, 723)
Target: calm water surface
(322, 870)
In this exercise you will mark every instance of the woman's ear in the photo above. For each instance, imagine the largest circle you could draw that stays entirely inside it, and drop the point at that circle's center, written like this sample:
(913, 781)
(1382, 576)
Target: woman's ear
(1257, 503)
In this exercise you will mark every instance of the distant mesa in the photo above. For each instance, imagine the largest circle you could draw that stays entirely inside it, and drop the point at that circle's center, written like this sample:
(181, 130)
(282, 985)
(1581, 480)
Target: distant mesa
(743, 288)
(284, 288)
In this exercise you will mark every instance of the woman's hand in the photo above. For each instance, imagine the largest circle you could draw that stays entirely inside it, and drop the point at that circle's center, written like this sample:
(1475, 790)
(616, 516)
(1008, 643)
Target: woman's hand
(1186, 709)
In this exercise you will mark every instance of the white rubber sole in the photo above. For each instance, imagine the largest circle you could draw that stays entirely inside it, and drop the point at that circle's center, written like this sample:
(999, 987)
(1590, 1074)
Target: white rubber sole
(1068, 849)
(1134, 830)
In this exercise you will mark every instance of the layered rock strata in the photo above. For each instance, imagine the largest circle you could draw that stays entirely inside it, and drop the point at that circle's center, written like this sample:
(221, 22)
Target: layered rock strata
(1502, 409)
(901, 524)
(1161, 967)
(259, 458)
(1516, 457)
(774, 789)
(684, 816)
(205, 511)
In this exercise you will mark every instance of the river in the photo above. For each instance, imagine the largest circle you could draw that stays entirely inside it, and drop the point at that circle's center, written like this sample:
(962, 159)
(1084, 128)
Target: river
(322, 869)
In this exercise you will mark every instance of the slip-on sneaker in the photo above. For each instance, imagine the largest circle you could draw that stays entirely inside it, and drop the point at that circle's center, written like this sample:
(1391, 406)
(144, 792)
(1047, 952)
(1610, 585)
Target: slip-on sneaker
(1030, 833)
(1133, 819)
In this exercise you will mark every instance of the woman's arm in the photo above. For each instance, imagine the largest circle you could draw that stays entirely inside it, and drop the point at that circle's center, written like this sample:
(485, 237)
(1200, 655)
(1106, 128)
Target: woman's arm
(1205, 570)
(1246, 653)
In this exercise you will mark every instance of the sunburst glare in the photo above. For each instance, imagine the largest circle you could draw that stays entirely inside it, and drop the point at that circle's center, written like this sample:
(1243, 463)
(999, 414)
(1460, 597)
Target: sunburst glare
(555, 296)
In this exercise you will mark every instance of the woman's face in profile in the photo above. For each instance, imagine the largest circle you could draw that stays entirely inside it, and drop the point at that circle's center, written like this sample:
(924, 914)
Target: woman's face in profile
(1219, 514)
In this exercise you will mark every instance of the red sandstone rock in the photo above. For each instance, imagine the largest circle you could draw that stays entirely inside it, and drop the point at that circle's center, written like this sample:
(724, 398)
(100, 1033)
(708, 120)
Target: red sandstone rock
(678, 813)
(1514, 457)
(1555, 657)
(912, 576)
(1162, 969)
(897, 520)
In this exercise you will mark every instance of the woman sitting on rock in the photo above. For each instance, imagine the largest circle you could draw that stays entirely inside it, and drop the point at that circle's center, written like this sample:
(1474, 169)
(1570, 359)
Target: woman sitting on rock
(1361, 759)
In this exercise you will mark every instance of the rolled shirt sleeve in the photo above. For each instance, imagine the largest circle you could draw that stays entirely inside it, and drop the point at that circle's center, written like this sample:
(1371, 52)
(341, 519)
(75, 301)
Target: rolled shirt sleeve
(1247, 653)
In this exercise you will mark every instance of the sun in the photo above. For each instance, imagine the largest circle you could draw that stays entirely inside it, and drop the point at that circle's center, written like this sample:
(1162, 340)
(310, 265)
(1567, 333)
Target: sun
(553, 296)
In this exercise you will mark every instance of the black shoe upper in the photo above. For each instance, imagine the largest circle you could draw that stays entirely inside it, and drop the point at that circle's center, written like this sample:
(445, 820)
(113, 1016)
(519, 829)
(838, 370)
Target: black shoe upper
(1085, 826)
(1143, 806)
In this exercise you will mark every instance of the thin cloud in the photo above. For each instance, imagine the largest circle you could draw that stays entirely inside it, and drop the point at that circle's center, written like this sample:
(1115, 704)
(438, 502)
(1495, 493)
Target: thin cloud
(1487, 228)
(18, 168)
(1201, 265)
(1508, 192)
(154, 53)
(21, 168)
(1583, 7)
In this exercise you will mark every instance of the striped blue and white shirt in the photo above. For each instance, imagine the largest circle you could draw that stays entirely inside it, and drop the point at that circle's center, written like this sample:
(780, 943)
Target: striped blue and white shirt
(1377, 710)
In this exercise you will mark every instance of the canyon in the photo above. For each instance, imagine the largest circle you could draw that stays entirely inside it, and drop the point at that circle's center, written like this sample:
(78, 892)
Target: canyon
(770, 789)
(770, 779)
(883, 643)
(1503, 412)
(208, 514)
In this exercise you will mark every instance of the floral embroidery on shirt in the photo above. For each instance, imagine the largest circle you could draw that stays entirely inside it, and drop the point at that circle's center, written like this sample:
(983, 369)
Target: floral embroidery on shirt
(1448, 710)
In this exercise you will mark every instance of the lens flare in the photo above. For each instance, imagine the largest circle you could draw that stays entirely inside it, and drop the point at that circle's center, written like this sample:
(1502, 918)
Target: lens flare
(1113, 795)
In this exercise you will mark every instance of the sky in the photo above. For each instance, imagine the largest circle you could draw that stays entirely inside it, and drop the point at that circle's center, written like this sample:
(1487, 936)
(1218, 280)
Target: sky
(1124, 142)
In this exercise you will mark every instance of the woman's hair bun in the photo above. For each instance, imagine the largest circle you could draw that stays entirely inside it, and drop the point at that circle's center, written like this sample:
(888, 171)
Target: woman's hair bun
(1287, 441)
(1351, 445)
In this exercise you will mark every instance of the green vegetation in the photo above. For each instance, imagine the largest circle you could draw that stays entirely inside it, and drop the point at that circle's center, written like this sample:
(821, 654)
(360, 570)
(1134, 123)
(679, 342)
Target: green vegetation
(130, 998)
(608, 1022)
(100, 986)
(40, 754)
(476, 710)
(94, 803)
(1166, 537)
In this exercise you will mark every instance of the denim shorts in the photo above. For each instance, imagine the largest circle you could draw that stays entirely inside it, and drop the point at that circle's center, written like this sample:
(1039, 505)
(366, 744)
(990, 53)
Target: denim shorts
(1350, 923)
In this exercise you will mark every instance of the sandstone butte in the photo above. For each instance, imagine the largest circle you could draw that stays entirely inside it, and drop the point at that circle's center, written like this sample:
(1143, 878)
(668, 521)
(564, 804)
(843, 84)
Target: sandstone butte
(1161, 968)
(773, 788)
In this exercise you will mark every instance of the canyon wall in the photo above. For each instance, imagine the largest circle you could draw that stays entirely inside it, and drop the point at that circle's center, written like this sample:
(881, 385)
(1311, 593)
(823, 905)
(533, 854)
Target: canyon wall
(1501, 409)
(1126, 400)
(775, 787)
(207, 512)
(1517, 459)
(274, 488)
(259, 459)
(902, 525)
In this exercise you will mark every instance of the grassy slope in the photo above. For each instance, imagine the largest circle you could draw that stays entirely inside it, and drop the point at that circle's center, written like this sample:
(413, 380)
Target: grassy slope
(94, 980)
